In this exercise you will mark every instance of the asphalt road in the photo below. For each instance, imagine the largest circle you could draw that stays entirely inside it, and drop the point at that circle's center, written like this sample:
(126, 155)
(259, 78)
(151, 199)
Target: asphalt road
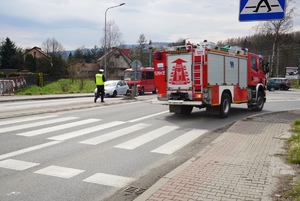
(101, 152)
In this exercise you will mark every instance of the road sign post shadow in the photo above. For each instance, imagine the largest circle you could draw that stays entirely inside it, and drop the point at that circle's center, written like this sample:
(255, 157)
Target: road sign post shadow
(260, 10)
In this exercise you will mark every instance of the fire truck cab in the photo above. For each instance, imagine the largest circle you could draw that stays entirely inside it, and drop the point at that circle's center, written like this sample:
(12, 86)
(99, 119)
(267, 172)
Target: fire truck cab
(142, 78)
(211, 77)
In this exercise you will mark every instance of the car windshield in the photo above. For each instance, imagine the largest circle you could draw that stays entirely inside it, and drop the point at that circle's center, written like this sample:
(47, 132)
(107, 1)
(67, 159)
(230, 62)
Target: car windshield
(110, 83)
(132, 75)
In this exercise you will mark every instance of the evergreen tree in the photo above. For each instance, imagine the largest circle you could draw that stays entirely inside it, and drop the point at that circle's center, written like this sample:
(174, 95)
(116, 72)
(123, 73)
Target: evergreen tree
(8, 51)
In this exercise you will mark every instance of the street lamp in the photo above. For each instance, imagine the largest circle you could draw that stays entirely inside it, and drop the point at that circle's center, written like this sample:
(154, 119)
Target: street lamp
(105, 35)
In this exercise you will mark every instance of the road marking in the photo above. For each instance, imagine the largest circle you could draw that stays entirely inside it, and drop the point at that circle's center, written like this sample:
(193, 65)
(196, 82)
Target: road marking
(109, 180)
(40, 123)
(114, 134)
(179, 142)
(29, 149)
(56, 128)
(86, 131)
(58, 171)
(17, 164)
(146, 117)
(24, 120)
(136, 142)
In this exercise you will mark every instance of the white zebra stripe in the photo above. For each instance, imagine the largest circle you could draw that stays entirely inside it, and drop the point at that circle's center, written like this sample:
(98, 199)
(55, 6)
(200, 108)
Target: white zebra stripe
(40, 123)
(179, 142)
(86, 131)
(114, 134)
(109, 180)
(139, 141)
(17, 164)
(13, 121)
(29, 149)
(56, 128)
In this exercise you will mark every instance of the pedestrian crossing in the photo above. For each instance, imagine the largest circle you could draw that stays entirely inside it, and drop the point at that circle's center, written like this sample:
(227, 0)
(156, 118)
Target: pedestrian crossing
(129, 136)
(74, 127)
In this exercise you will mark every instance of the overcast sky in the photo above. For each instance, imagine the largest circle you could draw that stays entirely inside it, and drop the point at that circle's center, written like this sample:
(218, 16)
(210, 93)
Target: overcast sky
(78, 23)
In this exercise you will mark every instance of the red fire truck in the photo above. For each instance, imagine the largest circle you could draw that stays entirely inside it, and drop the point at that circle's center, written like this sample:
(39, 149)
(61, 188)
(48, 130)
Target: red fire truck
(211, 77)
(142, 78)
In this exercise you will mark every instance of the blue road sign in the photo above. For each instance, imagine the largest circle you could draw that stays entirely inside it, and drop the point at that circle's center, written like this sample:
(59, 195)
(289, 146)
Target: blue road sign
(260, 10)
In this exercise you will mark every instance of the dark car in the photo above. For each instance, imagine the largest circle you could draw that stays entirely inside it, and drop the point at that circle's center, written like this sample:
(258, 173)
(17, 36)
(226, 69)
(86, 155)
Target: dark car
(278, 83)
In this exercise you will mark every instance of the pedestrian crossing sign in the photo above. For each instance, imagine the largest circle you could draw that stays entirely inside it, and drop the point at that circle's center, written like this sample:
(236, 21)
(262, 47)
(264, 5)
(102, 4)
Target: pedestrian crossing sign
(259, 10)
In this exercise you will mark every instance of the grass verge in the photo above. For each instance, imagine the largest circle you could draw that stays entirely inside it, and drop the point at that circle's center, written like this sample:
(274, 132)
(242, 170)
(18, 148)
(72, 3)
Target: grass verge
(62, 86)
(289, 185)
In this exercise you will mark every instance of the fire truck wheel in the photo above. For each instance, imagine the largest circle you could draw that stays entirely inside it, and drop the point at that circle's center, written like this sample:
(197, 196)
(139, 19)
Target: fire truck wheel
(225, 105)
(155, 91)
(260, 102)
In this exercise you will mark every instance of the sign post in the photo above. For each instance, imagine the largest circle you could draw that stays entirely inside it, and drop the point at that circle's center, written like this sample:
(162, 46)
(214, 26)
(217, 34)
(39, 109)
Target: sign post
(135, 65)
(260, 10)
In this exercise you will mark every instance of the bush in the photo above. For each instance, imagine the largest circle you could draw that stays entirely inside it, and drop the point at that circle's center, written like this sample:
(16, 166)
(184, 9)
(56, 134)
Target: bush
(2, 75)
(294, 143)
(14, 75)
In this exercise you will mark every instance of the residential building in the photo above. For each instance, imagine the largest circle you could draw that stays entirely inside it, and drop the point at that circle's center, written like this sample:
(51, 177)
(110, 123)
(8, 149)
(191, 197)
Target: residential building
(117, 60)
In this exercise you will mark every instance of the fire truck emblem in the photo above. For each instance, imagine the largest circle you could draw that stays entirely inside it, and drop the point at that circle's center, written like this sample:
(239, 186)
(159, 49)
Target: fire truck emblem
(179, 74)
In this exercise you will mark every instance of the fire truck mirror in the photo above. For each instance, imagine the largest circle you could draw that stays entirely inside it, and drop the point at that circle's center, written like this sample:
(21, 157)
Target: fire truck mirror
(265, 66)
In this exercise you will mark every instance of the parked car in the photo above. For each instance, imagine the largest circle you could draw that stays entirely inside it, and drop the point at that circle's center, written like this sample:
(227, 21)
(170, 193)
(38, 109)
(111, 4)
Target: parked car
(278, 83)
(115, 87)
(272, 85)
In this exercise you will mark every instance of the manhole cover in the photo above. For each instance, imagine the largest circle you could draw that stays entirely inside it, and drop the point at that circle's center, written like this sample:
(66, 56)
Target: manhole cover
(134, 190)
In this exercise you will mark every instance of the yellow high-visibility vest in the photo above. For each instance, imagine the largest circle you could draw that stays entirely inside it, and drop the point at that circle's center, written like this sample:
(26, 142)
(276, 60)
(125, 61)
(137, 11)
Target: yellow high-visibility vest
(99, 79)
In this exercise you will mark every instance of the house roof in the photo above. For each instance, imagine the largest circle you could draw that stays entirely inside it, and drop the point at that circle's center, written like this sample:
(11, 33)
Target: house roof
(124, 52)
(37, 49)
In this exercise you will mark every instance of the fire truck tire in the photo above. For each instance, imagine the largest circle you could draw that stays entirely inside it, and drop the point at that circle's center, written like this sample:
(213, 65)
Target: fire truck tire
(142, 92)
(260, 102)
(155, 91)
(225, 105)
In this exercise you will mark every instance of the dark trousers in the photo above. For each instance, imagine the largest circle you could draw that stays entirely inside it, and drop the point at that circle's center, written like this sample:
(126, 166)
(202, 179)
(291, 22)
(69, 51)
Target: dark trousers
(100, 90)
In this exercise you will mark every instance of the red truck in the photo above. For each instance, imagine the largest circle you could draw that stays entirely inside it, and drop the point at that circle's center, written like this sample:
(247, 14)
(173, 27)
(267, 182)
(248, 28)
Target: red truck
(142, 78)
(211, 77)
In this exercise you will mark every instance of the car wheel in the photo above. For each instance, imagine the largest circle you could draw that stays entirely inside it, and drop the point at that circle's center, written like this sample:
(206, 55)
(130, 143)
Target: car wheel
(114, 93)
(272, 89)
(225, 105)
(142, 92)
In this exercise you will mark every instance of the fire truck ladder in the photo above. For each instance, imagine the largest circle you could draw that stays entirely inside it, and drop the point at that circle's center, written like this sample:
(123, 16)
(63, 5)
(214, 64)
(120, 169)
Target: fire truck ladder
(197, 72)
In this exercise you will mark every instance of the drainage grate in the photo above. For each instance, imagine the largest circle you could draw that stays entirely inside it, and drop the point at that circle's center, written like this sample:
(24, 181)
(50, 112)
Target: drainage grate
(134, 190)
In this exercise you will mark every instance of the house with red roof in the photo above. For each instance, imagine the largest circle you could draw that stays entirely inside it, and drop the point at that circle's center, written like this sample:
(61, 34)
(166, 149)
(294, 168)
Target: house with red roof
(117, 60)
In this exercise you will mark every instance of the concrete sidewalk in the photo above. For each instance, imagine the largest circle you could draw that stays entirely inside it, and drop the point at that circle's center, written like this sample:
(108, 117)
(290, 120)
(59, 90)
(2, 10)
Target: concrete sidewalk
(242, 164)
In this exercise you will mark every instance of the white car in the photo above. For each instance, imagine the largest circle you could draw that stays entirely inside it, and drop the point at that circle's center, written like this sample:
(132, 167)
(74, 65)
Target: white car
(115, 87)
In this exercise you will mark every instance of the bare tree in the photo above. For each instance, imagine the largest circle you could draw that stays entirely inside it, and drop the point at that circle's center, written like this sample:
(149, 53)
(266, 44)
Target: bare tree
(55, 49)
(276, 29)
(52, 46)
(113, 35)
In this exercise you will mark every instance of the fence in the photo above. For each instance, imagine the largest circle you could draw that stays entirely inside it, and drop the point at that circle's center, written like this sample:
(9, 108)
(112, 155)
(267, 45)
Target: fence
(8, 86)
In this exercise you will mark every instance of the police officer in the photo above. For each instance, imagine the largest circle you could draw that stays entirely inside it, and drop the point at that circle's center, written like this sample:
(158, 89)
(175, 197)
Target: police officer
(100, 80)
